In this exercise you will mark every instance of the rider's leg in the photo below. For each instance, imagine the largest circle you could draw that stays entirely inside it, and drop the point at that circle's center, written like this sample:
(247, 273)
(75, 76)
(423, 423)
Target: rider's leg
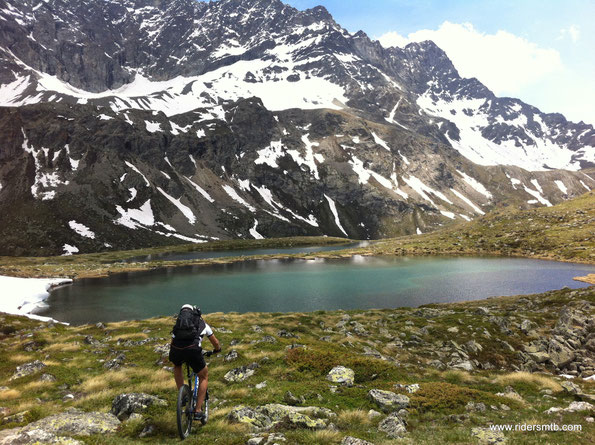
(203, 382)
(178, 376)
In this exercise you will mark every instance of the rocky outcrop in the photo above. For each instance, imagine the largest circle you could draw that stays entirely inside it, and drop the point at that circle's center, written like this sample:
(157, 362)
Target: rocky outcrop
(567, 350)
(56, 429)
(28, 369)
(126, 404)
(266, 416)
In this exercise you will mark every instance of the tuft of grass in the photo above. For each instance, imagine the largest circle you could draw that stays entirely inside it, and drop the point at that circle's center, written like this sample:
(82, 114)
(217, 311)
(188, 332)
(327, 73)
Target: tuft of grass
(348, 419)
(9, 394)
(526, 378)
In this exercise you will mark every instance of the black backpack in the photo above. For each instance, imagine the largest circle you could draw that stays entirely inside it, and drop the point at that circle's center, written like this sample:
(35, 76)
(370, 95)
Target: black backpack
(185, 328)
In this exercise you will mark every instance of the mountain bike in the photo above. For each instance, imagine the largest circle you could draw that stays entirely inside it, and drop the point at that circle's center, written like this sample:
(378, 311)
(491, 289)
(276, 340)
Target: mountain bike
(187, 398)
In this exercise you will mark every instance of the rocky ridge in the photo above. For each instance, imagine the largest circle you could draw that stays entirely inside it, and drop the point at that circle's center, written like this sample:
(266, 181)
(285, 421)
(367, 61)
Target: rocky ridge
(183, 121)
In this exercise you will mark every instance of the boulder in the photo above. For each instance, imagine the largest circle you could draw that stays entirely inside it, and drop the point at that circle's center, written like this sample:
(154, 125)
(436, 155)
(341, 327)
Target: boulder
(341, 375)
(250, 416)
(28, 369)
(34, 437)
(76, 422)
(393, 426)
(560, 355)
(387, 400)
(485, 436)
(126, 404)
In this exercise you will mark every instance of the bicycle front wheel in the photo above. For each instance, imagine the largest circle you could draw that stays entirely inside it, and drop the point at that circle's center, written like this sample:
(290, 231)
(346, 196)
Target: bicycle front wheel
(184, 411)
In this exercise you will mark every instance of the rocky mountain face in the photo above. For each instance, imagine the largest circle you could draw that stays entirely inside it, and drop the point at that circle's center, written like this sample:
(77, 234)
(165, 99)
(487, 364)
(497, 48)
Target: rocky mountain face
(142, 122)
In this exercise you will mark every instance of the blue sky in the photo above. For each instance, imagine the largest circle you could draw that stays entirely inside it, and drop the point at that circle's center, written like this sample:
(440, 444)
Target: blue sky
(542, 52)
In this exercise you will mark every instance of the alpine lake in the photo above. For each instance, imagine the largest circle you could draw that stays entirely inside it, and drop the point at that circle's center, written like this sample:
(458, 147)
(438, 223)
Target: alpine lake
(303, 285)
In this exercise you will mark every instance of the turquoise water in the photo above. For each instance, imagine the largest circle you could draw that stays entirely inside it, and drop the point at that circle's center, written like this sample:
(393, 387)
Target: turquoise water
(307, 285)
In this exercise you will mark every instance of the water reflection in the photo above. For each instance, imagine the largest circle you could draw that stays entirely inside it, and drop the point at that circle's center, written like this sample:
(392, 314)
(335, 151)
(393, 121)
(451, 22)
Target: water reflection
(283, 285)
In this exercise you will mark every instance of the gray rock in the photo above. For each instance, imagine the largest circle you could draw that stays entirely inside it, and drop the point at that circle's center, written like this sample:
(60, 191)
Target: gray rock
(393, 426)
(485, 436)
(231, 356)
(341, 375)
(47, 378)
(238, 374)
(475, 407)
(290, 399)
(162, 350)
(250, 416)
(115, 363)
(387, 400)
(268, 439)
(77, 423)
(350, 440)
(28, 369)
(126, 404)
(148, 430)
(285, 334)
(372, 414)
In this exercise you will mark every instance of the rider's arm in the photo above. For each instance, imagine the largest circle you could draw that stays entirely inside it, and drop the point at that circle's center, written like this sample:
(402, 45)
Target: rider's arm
(215, 343)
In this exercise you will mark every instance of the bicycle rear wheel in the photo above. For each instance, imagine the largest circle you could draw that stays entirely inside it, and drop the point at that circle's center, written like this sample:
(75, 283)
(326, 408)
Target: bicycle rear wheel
(184, 411)
(206, 409)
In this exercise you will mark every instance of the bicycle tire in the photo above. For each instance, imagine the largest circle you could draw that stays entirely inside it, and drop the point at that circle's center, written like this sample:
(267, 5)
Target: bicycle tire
(184, 411)
(205, 411)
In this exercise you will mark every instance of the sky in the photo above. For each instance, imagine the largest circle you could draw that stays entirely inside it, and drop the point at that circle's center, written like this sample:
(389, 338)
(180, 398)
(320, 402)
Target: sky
(540, 51)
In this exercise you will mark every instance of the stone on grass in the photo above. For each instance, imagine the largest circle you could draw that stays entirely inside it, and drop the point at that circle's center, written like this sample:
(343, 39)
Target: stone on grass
(393, 426)
(485, 436)
(77, 423)
(266, 439)
(342, 375)
(28, 369)
(126, 404)
(238, 374)
(250, 416)
(350, 440)
(231, 356)
(387, 400)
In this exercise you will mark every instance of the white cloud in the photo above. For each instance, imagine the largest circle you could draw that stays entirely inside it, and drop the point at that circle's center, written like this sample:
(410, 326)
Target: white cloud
(573, 31)
(504, 62)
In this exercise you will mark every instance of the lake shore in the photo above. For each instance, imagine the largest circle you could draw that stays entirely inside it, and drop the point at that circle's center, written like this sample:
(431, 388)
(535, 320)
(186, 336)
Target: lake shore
(455, 369)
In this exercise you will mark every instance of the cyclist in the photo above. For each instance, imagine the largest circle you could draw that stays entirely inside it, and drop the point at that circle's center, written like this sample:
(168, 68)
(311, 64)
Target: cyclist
(187, 335)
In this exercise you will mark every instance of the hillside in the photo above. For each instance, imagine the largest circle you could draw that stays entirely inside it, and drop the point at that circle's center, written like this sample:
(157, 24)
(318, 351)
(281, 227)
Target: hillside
(563, 232)
(140, 123)
(458, 368)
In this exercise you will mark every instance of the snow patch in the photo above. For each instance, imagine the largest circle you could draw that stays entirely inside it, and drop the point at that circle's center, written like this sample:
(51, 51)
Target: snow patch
(23, 295)
(181, 207)
(81, 229)
(561, 186)
(69, 250)
(333, 208)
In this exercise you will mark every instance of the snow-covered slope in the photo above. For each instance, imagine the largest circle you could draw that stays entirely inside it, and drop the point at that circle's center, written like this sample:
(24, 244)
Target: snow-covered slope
(139, 122)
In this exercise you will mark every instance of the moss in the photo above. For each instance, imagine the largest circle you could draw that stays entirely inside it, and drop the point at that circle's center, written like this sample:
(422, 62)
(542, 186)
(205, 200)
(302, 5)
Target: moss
(443, 396)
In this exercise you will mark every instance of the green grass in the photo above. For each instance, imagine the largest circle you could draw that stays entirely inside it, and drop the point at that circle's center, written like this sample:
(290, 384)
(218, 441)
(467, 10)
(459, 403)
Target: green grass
(78, 368)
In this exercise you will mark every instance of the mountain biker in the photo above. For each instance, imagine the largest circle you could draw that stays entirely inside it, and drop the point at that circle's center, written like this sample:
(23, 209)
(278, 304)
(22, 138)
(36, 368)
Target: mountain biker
(186, 347)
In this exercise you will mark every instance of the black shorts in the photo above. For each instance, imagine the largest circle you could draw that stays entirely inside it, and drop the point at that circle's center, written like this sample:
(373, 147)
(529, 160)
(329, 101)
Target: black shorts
(191, 355)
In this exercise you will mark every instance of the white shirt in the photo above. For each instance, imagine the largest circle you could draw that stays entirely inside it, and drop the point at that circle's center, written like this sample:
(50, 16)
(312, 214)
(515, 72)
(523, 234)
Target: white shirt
(206, 331)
